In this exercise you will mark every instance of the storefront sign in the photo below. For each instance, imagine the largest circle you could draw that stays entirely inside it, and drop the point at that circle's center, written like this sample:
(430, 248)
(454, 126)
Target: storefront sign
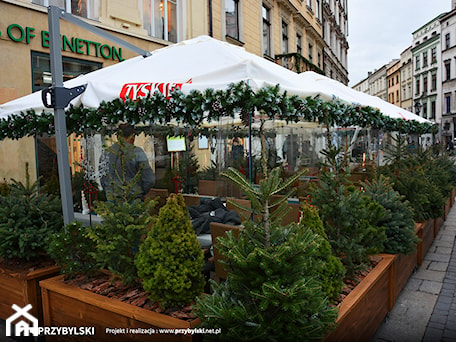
(17, 33)
(135, 91)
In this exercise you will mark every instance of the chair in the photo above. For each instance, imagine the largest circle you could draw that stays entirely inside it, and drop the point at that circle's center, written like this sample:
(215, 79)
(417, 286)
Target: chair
(244, 214)
(162, 195)
(219, 229)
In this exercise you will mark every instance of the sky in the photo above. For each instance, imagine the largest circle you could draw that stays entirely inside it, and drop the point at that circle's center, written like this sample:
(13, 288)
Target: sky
(379, 30)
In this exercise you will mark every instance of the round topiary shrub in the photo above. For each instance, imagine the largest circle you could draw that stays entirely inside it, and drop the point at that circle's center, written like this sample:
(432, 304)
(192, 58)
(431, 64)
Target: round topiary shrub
(170, 261)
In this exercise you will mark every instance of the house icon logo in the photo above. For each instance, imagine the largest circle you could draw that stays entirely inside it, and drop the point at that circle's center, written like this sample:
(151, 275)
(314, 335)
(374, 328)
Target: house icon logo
(27, 327)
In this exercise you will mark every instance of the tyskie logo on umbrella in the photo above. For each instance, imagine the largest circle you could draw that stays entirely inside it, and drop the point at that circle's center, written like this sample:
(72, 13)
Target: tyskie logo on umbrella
(136, 91)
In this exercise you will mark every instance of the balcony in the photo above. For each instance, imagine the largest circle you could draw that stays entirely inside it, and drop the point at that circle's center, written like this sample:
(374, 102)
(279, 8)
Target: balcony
(297, 63)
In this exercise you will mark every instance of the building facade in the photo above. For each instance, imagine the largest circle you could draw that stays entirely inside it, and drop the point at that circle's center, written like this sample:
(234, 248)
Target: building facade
(289, 32)
(378, 84)
(335, 32)
(393, 80)
(406, 70)
(448, 67)
(426, 65)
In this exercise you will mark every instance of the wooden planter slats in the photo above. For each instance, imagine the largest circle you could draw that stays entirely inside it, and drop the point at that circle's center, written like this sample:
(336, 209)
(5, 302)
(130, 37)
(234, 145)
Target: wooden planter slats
(66, 305)
(403, 267)
(425, 231)
(363, 310)
(22, 288)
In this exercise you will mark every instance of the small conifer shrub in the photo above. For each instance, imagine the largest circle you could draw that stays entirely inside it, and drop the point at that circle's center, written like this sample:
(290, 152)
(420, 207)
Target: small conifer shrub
(170, 261)
(71, 250)
(126, 220)
(27, 217)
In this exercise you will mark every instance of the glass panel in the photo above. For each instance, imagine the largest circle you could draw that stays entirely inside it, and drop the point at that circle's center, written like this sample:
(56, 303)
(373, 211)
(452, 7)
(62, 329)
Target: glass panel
(172, 21)
(231, 13)
(85, 8)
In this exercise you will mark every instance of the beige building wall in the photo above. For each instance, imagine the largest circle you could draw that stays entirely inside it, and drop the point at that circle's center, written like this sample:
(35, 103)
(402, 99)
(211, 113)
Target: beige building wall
(15, 62)
(393, 80)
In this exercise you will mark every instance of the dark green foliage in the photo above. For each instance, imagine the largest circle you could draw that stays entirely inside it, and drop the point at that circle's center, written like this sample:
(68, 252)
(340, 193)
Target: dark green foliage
(332, 271)
(170, 261)
(125, 221)
(27, 217)
(424, 179)
(209, 105)
(4, 188)
(188, 171)
(272, 292)
(351, 219)
(71, 250)
(401, 237)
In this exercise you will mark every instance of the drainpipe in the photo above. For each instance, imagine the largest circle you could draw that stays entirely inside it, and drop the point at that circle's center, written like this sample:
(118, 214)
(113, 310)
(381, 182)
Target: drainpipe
(211, 33)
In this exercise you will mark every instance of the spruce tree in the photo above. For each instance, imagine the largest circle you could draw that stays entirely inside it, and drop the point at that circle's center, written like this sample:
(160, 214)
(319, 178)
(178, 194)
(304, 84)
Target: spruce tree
(398, 219)
(27, 217)
(272, 292)
(126, 220)
(351, 219)
(170, 261)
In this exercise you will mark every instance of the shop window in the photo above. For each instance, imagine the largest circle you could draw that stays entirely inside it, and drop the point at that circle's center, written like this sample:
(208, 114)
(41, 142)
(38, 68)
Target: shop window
(72, 67)
(45, 145)
(161, 19)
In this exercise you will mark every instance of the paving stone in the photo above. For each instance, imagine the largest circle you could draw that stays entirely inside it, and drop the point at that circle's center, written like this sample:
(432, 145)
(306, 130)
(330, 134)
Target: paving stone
(437, 257)
(429, 275)
(432, 287)
(438, 266)
(413, 284)
(432, 335)
(445, 299)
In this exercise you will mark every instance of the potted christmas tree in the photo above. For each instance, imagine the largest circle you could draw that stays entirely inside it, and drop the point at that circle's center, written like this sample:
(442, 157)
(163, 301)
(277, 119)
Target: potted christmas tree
(116, 298)
(27, 217)
(271, 292)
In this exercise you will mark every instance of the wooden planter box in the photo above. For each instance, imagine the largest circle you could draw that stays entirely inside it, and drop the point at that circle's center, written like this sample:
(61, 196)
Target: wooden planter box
(66, 305)
(402, 268)
(447, 208)
(22, 288)
(363, 310)
(425, 232)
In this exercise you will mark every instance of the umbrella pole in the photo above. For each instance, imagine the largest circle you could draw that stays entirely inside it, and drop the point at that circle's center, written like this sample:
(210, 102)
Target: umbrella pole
(59, 116)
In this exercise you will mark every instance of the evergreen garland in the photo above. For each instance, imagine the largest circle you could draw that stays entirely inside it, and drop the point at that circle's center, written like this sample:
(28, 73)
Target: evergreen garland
(208, 105)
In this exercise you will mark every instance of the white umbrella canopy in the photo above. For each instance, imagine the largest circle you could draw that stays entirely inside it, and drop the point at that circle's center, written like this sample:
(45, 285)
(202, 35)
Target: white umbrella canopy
(352, 96)
(198, 63)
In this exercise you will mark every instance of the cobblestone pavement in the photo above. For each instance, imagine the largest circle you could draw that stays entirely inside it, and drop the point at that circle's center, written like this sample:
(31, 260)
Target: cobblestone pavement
(425, 310)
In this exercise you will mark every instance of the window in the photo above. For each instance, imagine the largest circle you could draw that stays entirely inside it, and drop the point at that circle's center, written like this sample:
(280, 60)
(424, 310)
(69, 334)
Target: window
(72, 67)
(310, 52)
(417, 86)
(425, 111)
(425, 58)
(425, 84)
(319, 60)
(433, 82)
(433, 55)
(309, 4)
(83, 8)
(447, 71)
(433, 109)
(448, 103)
(160, 19)
(284, 37)
(232, 18)
(266, 31)
(447, 41)
(417, 62)
(318, 9)
(298, 43)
